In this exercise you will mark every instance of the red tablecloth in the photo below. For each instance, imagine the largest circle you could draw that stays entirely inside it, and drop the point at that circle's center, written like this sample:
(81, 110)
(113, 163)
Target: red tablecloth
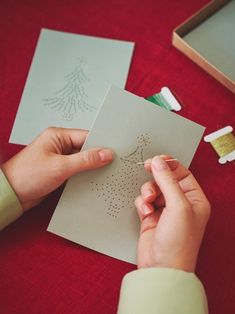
(43, 273)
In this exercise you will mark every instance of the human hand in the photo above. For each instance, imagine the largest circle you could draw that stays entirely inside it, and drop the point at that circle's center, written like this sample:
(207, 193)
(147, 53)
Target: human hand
(48, 161)
(174, 212)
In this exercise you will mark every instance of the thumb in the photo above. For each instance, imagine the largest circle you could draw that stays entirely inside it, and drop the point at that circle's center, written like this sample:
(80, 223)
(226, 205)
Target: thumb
(168, 183)
(87, 160)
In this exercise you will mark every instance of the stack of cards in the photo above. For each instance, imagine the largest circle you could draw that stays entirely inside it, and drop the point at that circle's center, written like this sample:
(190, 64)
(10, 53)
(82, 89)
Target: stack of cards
(65, 87)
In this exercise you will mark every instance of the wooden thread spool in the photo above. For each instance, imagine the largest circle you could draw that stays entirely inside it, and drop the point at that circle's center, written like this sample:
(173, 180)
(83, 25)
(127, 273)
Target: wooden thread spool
(223, 142)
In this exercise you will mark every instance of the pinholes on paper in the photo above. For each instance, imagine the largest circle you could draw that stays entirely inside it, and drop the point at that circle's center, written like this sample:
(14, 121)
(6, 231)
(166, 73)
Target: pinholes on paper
(72, 98)
(119, 190)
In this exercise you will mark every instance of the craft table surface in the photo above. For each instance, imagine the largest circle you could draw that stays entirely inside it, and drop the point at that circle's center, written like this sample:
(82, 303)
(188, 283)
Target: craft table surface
(43, 273)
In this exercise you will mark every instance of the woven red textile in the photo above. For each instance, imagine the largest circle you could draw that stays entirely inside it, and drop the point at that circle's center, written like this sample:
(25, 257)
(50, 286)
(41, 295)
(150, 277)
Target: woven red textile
(43, 273)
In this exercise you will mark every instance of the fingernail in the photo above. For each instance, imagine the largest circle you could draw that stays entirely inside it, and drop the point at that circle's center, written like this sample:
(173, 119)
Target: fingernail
(145, 210)
(159, 163)
(148, 161)
(148, 193)
(106, 155)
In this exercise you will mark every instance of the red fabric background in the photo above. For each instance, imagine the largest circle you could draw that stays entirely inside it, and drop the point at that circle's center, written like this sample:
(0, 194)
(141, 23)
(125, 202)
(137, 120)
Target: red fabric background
(43, 273)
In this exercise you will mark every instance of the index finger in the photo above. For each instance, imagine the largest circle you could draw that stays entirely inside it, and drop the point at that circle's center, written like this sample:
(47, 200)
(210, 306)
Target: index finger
(187, 182)
(179, 170)
(168, 184)
(70, 139)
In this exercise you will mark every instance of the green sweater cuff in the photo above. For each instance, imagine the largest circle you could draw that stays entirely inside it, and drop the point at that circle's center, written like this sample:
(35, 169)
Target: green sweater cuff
(162, 290)
(10, 207)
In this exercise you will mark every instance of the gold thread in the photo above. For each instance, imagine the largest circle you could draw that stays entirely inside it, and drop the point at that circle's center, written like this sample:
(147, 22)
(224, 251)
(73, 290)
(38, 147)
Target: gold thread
(224, 144)
(149, 163)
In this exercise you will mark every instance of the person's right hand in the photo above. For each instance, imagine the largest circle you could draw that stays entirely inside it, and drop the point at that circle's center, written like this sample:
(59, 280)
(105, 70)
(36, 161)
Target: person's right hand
(174, 212)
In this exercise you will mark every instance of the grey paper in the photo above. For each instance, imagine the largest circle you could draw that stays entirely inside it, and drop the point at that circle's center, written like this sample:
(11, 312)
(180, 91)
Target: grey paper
(214, 39)
(67, 81)
(96, 208)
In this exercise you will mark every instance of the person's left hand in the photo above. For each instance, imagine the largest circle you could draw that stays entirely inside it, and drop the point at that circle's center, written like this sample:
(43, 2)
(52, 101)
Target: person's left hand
(48, 161)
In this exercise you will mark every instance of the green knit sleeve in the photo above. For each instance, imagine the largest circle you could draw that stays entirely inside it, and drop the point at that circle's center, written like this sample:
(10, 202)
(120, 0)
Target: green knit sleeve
(163, 291)
(10, 207)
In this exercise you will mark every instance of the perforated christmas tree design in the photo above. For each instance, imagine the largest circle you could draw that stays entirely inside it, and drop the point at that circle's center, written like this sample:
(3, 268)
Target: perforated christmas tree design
(72, 98)
(120, 189)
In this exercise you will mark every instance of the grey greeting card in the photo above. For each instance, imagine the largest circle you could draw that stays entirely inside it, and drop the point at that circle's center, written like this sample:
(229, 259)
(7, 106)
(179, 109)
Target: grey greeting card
(67, 81)
(96, 208)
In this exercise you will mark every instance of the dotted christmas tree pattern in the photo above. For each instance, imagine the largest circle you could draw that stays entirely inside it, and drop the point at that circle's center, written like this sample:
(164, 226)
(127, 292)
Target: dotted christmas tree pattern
(120, 189)
(72, 98)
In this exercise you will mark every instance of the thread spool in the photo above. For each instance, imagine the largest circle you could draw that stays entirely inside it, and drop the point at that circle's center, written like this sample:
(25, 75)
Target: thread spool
(223, 142)
(165, 99)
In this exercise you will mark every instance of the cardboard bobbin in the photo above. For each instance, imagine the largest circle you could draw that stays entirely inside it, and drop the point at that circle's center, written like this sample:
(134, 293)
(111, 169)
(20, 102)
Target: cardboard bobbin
(223, 142)
(165, 99)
